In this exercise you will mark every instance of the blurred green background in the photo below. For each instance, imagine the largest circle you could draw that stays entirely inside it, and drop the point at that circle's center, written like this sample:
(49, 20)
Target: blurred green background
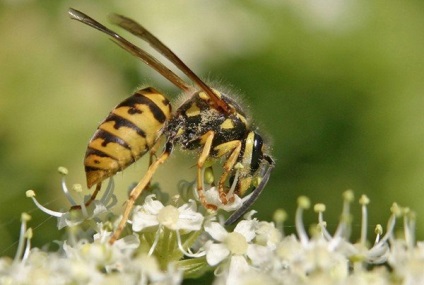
(336, 85)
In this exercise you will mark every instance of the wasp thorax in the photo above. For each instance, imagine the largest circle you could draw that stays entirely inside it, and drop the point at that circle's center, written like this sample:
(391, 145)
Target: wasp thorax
(196, 117)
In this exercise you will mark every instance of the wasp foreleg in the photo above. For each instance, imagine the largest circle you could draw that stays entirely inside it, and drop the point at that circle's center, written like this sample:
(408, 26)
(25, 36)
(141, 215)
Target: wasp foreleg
(234, 147)
(207, 145)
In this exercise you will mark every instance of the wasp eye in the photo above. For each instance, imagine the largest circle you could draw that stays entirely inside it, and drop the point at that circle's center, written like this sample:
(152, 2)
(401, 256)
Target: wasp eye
(257, 154)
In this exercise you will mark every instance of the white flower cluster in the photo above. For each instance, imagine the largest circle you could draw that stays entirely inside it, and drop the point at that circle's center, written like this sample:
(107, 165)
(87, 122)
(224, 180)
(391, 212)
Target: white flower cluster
(170, 242)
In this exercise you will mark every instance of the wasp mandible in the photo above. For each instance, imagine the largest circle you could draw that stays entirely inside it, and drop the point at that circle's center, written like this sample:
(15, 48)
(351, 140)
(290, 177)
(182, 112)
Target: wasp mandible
(209, 122)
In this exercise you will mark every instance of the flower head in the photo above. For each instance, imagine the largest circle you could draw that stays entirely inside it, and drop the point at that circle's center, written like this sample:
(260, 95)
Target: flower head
(235, 248)
(153, 214)
(159, 248)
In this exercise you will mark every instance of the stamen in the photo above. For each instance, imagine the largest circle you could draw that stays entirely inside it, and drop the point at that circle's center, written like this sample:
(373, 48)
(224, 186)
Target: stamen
(280, 216)
(378, 231)
(31, 194)
(364, 201)
(19, 252)
(342, 228)
(78, 188)
(108, 192)
(303, 202)
(28, 236)
(320, 209)
(396, 211)
(155, 242)
(409, 227)
(187, 189)
(234, 184)
(188, 253)
(63, 171)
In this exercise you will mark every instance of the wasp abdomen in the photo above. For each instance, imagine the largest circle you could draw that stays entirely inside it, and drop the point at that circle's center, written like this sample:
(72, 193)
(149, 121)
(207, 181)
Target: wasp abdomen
(127, 133)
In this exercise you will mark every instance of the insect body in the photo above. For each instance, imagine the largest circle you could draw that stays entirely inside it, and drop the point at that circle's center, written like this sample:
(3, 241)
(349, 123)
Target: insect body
(130, 130)
(209, 122)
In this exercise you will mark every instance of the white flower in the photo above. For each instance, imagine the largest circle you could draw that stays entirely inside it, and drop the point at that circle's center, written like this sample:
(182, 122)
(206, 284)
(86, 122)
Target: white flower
(288, 251)
(212, 196)
(267, 235)
(153, 213)
(255, 252)
(315, 262)
(151, 272)
(235, 248)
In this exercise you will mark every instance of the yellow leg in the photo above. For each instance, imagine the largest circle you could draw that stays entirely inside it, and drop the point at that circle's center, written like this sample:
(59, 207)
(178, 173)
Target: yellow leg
(152, 157)
(228, 166)
(136, 192)
(233, 148)
(153, 151)
(208, 138)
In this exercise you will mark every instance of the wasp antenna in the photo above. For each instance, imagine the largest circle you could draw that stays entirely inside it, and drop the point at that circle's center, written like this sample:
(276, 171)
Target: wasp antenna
(141, 32)
(131, 48)
(255, 194)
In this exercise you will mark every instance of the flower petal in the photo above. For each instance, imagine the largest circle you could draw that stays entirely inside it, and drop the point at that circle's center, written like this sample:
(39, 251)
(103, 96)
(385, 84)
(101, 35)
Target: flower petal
(189, 219)
(151, 205)
(216, 231)
(143, 220)
(238, 266)
(246, 228)
(212, 196)
(216, 253)
(258, 254)
(191, 222)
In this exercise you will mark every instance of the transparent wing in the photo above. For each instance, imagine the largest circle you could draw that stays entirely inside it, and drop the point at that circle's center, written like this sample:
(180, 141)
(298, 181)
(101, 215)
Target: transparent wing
(139, 31)
(133, 49)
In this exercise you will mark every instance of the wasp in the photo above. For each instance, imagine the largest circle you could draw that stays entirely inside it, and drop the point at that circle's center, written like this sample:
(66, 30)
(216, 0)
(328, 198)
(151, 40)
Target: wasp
(208, 122)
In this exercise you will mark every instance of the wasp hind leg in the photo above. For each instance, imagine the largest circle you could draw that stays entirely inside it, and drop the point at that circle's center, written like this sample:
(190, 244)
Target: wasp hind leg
(138, 189)
(153, 157)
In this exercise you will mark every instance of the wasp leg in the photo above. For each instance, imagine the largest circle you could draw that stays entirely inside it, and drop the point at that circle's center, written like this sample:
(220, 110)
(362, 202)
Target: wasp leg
(234, 147)
(153, 157)
(92, 198)
(154, 150)
(207, 145)
(138, 189)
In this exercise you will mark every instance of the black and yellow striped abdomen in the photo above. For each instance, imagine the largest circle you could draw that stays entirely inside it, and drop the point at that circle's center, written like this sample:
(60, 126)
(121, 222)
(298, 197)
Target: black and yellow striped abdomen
(129, 131)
